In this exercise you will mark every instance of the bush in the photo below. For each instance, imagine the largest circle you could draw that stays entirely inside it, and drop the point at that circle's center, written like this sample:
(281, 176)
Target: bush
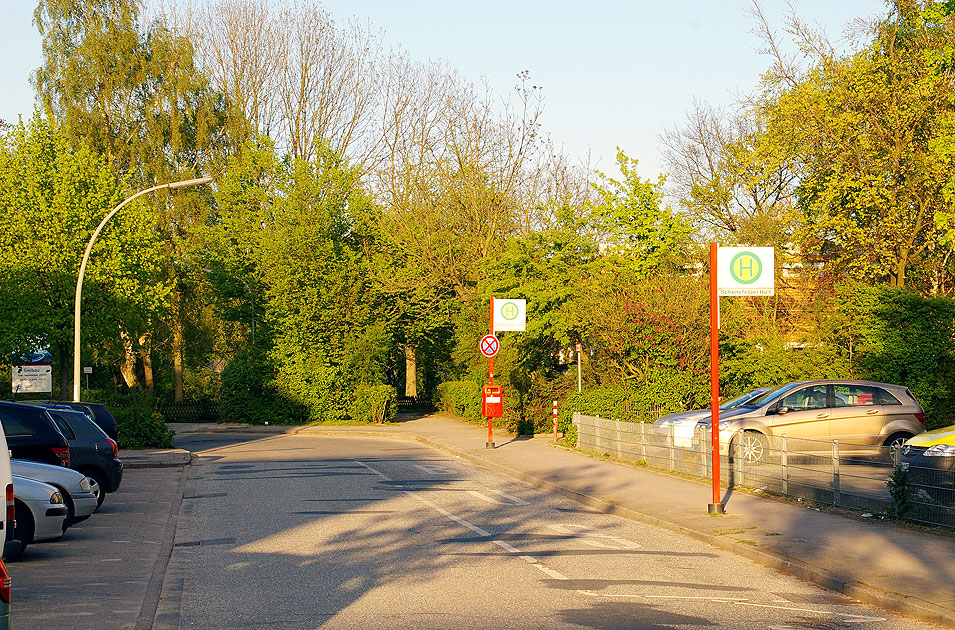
(140, 426)
(374, 403)
(461, 398)
(248, 394)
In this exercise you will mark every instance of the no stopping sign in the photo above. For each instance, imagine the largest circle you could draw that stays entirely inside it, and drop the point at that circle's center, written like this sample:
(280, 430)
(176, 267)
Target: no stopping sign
(489, 345)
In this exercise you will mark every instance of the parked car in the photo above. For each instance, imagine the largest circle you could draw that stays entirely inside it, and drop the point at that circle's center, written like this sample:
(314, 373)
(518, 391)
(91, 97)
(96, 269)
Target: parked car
(92, 452)
(99, 414)
(73, 485)
(96, 412)
(684, 422)
(6, 592)
(862, 413)
(40, 512)
(31, 434)
(930, 458)
(9, 516)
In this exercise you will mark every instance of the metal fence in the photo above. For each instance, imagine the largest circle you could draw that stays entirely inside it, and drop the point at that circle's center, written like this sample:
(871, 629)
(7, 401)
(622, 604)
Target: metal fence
(826, 472)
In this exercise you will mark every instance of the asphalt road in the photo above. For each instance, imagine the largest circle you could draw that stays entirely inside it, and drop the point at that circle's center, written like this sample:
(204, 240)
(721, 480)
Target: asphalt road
(299, 532)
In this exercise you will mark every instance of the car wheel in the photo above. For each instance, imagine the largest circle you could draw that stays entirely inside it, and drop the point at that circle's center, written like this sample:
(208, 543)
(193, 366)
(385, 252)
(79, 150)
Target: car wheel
(23, 528)
(97, 485)
(753, 447)
(895, 441)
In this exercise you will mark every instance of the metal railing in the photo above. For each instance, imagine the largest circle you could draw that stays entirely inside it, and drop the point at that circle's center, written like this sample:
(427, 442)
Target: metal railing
(825, 472)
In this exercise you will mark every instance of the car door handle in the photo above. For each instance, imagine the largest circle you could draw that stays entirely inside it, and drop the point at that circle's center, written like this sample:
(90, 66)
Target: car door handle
(822, 415)
(871, 412)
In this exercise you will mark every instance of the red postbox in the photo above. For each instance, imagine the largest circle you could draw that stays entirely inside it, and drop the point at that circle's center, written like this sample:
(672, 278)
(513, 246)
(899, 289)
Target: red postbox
(492, 402)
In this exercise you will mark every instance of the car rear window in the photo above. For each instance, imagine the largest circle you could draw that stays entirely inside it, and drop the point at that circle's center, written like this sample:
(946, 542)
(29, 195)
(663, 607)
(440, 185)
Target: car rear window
(885, 398)
(13, 427)
(63, 426)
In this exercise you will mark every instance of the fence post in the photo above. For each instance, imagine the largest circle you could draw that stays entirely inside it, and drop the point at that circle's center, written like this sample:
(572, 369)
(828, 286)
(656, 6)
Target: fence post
(784, 464)
(643, 441)
(704, 469)
(737, 450)
(670, 447)
(835, 472)
(619, 439)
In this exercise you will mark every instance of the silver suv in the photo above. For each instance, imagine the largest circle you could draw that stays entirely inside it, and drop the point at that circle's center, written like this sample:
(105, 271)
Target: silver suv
(853, 412)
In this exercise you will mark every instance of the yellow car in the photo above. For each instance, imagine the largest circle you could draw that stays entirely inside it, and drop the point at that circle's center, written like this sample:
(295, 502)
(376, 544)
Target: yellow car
(930, 458)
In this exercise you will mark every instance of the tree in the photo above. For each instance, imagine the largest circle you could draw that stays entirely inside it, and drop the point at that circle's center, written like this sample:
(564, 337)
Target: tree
(51, 199)
(864, 129)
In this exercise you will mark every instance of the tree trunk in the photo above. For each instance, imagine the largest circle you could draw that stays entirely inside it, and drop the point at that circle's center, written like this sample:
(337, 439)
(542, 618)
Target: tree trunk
(145, 351)
(128, 367)
(177, 344)
(66, 371)
(411, 373)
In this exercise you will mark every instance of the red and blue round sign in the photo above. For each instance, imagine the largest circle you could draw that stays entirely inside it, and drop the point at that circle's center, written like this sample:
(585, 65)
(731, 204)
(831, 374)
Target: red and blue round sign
(489, 345)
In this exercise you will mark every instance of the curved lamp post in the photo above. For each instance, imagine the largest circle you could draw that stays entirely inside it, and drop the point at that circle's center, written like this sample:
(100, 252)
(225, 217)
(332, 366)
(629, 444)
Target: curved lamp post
(86, 257)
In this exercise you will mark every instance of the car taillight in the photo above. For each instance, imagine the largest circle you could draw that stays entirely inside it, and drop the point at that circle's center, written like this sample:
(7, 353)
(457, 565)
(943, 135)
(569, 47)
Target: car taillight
(11, 510)
(63, 452)
(920, 417)
(6, 582)
(112, 443)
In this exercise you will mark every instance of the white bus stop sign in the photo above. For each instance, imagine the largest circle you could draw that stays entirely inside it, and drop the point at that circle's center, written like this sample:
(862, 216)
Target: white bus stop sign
(746, 271)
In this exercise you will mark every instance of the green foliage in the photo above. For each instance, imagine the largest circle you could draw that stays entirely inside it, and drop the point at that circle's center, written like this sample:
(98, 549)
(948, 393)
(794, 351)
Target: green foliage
(141, 426)
(248, 393)
(900, 490)
(897, 336)
(374, 403)
(460, 398)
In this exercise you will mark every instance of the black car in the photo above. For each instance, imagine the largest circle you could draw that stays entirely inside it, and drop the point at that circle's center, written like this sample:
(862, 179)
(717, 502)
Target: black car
(92, 452)
(32, 434)
(94, 411)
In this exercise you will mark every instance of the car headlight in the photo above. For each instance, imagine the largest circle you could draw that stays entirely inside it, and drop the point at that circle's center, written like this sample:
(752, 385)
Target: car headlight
(725, 425)
(940, 450)
(56, 497)
(85, 485)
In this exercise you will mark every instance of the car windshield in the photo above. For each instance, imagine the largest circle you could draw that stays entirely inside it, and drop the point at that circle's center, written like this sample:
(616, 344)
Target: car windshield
(769, 395)
(742, 399)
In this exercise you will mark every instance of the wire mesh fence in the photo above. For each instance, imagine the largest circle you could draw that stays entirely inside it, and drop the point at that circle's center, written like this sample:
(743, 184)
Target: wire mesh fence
(827, 472)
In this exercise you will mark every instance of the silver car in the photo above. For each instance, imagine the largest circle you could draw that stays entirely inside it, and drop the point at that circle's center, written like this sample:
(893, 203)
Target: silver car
(74, 486)
(862, 413)
(39, 511)
(684, 423)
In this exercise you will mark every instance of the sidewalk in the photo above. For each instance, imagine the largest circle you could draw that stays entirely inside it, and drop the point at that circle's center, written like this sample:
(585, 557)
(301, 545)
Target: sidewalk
(894, 567)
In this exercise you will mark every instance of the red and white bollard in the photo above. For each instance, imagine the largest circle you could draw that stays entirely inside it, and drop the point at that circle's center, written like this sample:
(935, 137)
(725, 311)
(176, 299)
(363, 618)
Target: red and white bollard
(555, 420)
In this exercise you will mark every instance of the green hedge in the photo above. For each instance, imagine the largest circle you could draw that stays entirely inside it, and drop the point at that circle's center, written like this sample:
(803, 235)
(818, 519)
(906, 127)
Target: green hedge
(374, 403)
(140, 426)
(461, 398)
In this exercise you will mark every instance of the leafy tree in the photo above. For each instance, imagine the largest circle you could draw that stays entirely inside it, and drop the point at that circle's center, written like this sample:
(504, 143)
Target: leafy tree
(864, 129)
(51, 199)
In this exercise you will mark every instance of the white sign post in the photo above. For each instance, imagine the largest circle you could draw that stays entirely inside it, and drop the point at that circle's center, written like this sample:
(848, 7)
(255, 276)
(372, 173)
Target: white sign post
(510, 315)
(746, 271)
(733, 271)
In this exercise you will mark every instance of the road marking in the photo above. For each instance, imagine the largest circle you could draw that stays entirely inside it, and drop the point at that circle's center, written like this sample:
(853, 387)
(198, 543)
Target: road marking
(588, 537)
(433, 470)
(484, 497)
(474, 528)
(511, 497)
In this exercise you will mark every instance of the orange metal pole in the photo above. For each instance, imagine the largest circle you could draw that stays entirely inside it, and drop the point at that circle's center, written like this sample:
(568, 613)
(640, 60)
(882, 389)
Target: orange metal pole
(716, 507)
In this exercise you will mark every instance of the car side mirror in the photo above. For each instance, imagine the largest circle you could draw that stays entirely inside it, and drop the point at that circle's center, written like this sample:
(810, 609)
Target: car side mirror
(782, 411)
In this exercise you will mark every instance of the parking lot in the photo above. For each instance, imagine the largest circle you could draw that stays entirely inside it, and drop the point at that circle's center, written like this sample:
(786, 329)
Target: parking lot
(105, 572)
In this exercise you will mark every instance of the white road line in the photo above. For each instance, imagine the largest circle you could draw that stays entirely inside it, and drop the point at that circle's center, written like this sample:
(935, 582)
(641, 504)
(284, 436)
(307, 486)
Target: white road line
(484, 497)
(511, 497)
(474, 528)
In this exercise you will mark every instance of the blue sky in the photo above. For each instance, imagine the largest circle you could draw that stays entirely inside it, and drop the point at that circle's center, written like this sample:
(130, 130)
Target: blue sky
(614, 72)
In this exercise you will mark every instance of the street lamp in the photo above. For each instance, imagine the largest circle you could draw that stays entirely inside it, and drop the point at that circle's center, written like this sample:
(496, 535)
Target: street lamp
(86, 257)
